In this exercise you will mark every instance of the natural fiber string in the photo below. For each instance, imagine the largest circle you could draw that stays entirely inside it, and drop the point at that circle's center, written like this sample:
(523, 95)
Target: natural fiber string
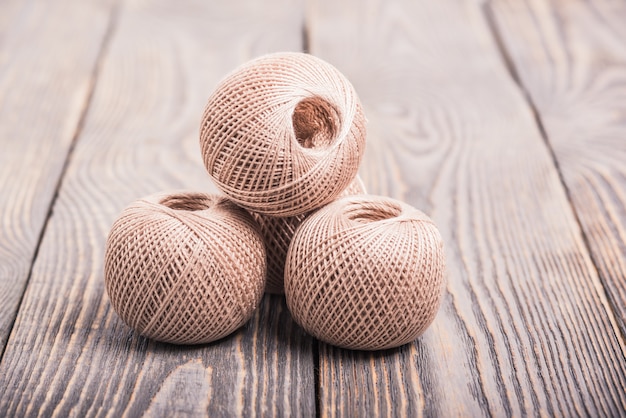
(185, 268)
(283, 134)
(365, 272)
(277, 234)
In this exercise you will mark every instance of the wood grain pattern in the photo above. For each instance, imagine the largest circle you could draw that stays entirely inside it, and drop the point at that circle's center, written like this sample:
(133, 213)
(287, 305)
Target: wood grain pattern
(571, 58)
(525, 327)
(69, 354)
(47, 56)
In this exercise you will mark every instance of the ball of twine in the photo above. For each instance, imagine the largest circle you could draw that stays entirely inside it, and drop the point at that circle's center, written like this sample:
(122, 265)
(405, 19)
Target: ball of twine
(277, 234)
(283, 134)
(185, 268)
(365, 272)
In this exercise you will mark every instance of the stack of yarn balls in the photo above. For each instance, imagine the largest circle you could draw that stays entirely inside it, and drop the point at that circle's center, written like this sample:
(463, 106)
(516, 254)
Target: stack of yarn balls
(282, 137)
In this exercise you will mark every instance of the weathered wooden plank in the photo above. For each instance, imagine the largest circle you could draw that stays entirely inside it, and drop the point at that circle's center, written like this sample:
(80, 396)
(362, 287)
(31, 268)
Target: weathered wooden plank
(69, 353)
(48, 53)
(525, 326)
(571, 58)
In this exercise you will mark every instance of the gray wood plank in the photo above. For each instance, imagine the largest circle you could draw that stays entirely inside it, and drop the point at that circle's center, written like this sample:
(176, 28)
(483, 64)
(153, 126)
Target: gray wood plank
(48, 53)
(69, 353)
(525, 327)
(571, 58)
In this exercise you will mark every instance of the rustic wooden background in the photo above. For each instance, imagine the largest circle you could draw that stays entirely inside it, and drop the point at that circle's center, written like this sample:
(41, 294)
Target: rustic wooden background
(503, 120)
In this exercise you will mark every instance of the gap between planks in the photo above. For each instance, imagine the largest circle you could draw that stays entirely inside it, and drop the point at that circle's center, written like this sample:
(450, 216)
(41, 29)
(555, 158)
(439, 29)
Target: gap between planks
(509, 64)
(106, 38)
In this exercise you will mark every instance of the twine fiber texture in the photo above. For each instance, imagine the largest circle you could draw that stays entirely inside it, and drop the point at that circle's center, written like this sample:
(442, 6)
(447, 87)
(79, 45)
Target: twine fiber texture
(185, 268)
(366, 273)
(283, 134)
(277, 234)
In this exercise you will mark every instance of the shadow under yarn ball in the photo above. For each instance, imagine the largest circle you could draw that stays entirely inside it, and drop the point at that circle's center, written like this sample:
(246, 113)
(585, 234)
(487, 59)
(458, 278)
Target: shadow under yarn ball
(277, 234)
(366, 273)
(185, 268)
(283, 134)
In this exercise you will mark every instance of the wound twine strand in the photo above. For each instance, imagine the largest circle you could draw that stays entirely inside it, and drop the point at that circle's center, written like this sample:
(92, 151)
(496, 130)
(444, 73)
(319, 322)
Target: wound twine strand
(277, 234)
(365, 272)
(185, 268)
(283, 134)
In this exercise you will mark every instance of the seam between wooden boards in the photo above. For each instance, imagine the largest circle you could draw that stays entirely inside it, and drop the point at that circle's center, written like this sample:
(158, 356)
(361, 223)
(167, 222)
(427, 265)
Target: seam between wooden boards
(510, 66)
(110, 29)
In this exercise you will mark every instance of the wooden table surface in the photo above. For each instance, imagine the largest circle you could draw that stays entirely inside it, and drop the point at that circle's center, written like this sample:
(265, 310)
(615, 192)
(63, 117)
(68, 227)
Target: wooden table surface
(505, 121)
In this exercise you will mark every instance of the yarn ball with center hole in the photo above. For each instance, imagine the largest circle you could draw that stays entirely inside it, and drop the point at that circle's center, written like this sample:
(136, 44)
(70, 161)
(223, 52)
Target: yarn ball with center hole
(185, 268)
(365, 273)
(277, 234)
(283, 134)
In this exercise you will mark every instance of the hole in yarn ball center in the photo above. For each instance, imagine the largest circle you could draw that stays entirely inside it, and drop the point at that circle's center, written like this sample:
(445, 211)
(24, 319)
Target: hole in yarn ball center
(315, 122)
(190, 202)
(372, 212)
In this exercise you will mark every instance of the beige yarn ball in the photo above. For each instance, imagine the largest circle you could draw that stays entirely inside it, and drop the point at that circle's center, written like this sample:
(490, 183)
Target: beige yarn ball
(366, 273)
(283, 134)
(185, 268)
(277, 234)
